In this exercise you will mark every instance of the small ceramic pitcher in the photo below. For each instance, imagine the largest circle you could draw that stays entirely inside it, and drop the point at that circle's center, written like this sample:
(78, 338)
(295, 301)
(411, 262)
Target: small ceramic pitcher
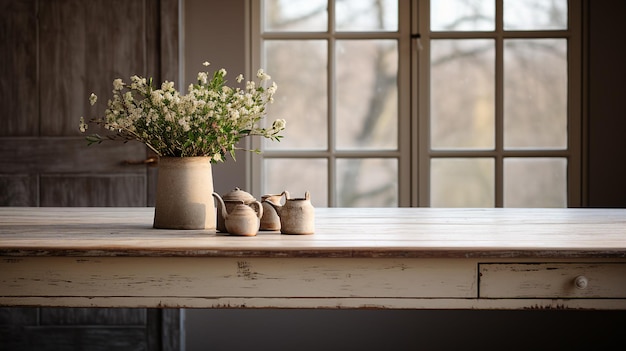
(270, 219)
(297, 216)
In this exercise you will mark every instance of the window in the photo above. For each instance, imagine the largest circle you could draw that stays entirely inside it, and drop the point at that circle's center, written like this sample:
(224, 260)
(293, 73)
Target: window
(456, 103)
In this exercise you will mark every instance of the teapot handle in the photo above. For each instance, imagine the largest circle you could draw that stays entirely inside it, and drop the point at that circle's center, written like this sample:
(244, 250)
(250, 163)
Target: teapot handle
(259, 208)
(221, 207)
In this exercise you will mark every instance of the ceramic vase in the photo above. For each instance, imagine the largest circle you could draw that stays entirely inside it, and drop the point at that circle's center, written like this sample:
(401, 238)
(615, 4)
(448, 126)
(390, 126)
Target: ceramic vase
(184, 194)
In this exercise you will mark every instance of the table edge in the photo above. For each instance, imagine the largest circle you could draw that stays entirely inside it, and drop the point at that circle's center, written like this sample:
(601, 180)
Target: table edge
(317, 253)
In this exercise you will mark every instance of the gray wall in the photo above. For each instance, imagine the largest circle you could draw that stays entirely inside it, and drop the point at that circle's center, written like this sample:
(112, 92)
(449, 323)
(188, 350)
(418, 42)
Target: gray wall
(224, 43)
(214, 31)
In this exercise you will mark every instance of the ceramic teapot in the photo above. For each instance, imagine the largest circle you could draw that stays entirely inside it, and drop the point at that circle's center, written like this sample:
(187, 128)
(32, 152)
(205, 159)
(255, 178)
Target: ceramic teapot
(231, 200)
(297, 216)
(242, 219)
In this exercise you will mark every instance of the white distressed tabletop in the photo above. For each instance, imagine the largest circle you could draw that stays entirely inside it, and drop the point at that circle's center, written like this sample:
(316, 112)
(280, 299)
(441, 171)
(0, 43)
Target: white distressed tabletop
(340, 232)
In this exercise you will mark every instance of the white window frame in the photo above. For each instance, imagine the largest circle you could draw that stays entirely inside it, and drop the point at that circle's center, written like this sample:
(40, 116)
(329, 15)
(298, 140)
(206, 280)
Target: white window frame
(573, 151)
(414, 153)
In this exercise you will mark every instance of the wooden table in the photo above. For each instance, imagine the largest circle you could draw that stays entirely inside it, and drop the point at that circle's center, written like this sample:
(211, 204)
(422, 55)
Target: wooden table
(406, 258)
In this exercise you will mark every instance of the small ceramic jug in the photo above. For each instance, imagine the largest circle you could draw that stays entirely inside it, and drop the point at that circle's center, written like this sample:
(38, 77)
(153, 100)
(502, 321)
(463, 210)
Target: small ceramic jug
(231, 199)
(242, 219)
(297, 216)
(270, 219)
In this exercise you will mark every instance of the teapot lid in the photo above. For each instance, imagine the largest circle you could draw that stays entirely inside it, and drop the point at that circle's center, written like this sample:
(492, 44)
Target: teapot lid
(238, 195)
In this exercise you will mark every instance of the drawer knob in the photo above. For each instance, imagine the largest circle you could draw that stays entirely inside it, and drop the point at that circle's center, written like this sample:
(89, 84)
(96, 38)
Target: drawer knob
(581, 282)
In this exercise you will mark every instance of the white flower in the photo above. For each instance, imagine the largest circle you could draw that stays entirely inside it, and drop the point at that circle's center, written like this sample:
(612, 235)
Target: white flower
(157, 96)
(239, 78)
(167, 86)
(82, 125)
(138, 83)
(234, 114)
(92, 99)
(279, 124)
(203, 78)
(222, 72)
(118, 84)
(272, 89)
(183, 123)
(206, 63)
(262, 75)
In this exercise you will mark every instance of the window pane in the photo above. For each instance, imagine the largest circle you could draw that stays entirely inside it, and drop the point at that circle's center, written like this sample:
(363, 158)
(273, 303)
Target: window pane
(462, 86)
(367, 182)
(462, 182)
(535, 14)
(535, 182)
(462, 15)
(297, 176)
(535, 93)
(295, 15)
(366, 15)
(299, 69)
(367, 94)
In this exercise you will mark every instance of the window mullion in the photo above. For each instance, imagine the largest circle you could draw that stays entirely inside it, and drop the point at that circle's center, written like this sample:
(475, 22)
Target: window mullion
(332, 141)
(423, 86)
(499, 108)
(415, 97)
(331, 88)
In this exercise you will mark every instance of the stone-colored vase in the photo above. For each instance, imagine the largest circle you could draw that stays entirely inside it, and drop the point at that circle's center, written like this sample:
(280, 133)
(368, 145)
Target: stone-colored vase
(184, 195)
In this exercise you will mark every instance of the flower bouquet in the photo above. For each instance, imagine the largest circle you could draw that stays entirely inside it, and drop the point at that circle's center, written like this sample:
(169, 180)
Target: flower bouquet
(209, 121)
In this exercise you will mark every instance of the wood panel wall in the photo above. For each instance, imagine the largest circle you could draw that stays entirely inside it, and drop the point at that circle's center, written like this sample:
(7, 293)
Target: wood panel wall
(53, 55)
(89, 329)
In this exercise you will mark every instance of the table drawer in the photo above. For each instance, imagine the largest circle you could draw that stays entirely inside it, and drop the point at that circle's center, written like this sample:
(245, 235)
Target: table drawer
(552, 280)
